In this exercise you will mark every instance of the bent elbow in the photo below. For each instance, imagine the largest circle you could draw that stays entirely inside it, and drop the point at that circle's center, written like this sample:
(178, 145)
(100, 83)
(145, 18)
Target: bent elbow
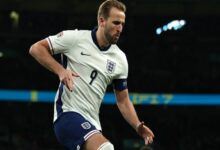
(39, 48)
(31, 50)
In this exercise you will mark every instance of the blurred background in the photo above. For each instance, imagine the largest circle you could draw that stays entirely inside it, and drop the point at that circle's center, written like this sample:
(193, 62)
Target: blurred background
(173, 51)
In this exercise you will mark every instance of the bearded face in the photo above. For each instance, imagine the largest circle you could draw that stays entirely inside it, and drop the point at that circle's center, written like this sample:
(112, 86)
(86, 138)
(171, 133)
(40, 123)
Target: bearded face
(113, 26)
(111, 37)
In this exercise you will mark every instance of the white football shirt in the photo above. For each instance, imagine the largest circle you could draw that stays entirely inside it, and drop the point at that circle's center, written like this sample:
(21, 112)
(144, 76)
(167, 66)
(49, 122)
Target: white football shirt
(96, 68)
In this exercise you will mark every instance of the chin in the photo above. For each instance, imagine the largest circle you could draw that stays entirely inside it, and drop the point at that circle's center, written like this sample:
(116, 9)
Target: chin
(114, 41)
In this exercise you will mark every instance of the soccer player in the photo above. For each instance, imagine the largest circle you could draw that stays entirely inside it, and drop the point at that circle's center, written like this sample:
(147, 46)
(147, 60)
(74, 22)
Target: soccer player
(92, 61)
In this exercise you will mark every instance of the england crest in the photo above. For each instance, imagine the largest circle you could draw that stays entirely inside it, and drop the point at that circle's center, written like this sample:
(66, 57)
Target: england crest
(86, 125)
(110, 66)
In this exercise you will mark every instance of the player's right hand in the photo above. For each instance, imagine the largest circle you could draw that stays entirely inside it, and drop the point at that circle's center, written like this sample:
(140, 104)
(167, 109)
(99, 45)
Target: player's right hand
(66, 76)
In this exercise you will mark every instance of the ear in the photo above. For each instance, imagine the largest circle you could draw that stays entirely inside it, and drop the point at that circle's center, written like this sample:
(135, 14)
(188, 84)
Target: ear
(101, 21)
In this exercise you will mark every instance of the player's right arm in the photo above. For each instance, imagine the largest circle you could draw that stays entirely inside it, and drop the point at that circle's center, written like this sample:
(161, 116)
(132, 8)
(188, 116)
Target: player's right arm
(41, 52)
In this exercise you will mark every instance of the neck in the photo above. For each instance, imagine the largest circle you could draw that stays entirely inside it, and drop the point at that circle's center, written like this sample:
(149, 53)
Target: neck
(101, 39)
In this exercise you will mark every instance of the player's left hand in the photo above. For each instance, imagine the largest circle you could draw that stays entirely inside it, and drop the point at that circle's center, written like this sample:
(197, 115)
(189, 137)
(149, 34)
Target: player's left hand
(145, 133)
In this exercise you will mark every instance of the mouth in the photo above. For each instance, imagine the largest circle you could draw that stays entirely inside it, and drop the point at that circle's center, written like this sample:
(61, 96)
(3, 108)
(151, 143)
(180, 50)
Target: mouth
(117, 35)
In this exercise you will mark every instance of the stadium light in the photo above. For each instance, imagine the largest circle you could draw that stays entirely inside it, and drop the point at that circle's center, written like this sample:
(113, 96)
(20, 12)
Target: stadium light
(173, 25)
(1, 54)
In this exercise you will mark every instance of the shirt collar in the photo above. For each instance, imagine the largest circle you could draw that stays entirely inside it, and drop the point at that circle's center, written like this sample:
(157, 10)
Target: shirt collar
(94, 38)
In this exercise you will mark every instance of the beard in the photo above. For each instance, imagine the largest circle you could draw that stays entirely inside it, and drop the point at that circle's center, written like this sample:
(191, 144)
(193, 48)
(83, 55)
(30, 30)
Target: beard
(112, 39)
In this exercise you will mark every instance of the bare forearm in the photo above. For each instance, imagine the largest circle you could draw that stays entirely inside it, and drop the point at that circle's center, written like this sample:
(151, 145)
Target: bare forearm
(128, 112)
(42, 55)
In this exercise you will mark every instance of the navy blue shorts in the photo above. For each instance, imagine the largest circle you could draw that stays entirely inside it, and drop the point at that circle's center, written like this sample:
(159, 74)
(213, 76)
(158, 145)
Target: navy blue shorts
(72, 130)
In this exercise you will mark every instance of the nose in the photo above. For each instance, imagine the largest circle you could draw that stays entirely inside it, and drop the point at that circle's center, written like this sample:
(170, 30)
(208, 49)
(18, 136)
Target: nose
(120, 28)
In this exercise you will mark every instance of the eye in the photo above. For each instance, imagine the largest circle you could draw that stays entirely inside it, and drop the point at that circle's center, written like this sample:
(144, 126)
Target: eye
(116, 22)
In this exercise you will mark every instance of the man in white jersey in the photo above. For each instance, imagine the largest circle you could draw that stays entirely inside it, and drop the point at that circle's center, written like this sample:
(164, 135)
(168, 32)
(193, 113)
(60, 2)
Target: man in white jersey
(91, 61)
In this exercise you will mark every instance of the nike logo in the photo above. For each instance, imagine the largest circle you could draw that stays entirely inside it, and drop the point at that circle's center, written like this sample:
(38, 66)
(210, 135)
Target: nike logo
(85, 54)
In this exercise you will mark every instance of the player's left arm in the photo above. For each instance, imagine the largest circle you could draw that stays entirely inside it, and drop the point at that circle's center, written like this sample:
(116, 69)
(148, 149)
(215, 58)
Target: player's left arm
(128, 112)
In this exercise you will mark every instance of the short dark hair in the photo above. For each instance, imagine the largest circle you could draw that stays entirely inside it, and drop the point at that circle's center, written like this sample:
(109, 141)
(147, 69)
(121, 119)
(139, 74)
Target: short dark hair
(106, 6)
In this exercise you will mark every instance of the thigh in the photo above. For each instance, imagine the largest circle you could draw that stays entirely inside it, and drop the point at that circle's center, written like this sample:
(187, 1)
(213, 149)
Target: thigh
(72, 130)
(94, 142)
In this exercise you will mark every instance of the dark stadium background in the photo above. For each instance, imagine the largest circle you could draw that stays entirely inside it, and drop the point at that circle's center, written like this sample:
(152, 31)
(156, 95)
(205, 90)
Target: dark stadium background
(186, 61)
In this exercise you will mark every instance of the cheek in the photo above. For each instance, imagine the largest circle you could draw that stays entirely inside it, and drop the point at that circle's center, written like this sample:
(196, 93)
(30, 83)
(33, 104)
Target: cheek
(112, 29)
(108, 29)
